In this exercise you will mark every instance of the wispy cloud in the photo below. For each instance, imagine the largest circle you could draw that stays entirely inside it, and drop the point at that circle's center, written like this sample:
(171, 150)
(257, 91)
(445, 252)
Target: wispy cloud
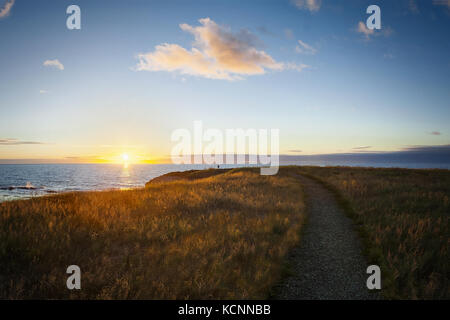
(305, 48)
(263, 30)
(435, 133)
(54, 63)
(289, 34)
(14, 142)
(362, 28)
(295, 151)
(418, 148)
(6, 10)
(445, 3)
(43, 91)
(311, 5)
(217, 53)
(295, 66)
(362, 148)
(387, 31)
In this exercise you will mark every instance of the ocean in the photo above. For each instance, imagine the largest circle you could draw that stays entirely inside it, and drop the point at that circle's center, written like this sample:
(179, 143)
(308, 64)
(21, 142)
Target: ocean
(29, 180)
(21, 181)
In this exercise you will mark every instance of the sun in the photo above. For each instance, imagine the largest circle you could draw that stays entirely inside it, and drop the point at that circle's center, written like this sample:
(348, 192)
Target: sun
(125, 157)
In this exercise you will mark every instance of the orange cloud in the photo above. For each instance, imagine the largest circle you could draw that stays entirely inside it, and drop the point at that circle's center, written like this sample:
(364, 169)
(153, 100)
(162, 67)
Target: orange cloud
(4, 12)
(311, 5)
(217, 53)
(364, 30)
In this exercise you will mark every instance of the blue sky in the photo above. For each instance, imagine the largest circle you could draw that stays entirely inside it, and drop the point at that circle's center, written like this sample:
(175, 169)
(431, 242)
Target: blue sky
(340, 90)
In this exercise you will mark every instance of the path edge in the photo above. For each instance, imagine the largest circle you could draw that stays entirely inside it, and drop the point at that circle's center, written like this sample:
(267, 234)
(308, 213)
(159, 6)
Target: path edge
(371, 253)
(288, 266)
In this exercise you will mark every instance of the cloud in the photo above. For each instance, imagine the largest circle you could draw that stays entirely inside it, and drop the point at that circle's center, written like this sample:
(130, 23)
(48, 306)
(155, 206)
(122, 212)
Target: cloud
(54, 63)
(295, 66)
(362, 148)
(388, 56)
(445, 3)
(289, 34)
(265, 31)
(5, 11)
(387, 31)
(295, 151)
(14, 142)
(311, 5)
(43, 91)
(217, 53)
(435, 133)
(437, 149)
(304, 48)
(362, 28)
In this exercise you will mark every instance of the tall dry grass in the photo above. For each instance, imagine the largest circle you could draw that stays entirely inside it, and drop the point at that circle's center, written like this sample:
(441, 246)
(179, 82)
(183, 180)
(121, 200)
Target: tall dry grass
(404, 215)
(219, 237)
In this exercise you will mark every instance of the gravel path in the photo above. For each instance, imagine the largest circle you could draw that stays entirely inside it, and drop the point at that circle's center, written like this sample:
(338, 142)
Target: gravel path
(328, 264)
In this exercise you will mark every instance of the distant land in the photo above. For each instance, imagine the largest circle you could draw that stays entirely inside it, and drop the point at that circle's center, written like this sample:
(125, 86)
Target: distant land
(410, 157)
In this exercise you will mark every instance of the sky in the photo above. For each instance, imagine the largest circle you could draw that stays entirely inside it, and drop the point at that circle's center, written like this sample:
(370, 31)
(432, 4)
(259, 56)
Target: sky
(138, 70)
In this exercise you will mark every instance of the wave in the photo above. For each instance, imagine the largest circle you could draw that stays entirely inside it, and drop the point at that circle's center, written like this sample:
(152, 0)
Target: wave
(28, 186)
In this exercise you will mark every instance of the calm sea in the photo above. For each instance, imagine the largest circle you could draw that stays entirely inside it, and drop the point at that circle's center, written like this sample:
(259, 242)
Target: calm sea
(28, 180)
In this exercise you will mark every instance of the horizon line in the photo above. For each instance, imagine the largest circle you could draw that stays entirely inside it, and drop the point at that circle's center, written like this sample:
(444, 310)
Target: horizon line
(437, 150)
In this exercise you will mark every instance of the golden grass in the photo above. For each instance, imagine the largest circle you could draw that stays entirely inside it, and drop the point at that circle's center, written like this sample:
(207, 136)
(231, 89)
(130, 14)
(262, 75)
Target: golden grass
(222, 237)
(405, 218)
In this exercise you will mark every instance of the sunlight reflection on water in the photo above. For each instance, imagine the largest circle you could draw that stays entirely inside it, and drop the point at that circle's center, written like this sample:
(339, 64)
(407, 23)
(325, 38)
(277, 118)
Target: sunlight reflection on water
(24, 181)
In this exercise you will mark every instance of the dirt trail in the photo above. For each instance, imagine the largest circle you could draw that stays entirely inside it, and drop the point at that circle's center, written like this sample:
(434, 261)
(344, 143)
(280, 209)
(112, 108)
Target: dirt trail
(328, 264)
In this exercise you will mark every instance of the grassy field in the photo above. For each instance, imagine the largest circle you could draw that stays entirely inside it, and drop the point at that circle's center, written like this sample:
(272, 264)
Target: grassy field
(404, 217)
(222, 236)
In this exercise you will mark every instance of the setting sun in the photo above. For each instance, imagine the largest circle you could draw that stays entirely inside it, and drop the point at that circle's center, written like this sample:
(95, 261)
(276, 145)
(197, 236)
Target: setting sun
(125, 157)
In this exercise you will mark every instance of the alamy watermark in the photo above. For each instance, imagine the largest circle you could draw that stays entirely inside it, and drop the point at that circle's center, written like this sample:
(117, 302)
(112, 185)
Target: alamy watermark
(73, 21)
(374, 280)
(230, 146)
(374, 20)
(74, 280)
